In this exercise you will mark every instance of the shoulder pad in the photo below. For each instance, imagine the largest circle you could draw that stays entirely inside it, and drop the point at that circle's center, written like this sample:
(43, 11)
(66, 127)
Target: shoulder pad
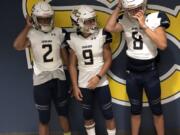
(165, 22)
(157, 19)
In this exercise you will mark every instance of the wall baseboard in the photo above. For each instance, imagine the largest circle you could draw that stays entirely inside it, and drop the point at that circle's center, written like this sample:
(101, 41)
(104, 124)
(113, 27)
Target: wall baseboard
(119, 132)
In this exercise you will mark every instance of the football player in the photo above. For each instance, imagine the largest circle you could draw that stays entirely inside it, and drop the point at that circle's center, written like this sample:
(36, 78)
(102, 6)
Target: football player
(91, 54)
(49, 79)
(144, 35)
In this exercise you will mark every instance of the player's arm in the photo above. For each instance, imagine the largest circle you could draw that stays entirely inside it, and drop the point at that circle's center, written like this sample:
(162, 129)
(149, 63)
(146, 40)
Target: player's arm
(112, 25)
(158, 36)
(73, 68)
(74, 76)
(64, 55)
(21, 41)
(107, 56)
(65, 48)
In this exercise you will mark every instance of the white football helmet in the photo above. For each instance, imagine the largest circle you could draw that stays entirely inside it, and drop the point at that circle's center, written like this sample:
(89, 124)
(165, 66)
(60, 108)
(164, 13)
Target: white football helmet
(84, 17)
(43, 10)
(133, 4)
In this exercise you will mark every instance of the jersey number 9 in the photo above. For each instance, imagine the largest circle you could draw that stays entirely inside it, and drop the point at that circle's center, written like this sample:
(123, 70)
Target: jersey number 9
(88, 56)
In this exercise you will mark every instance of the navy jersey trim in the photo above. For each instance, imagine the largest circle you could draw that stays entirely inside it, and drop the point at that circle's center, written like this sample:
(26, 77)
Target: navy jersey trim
(107, 35)
(165, 22)
(66, 37)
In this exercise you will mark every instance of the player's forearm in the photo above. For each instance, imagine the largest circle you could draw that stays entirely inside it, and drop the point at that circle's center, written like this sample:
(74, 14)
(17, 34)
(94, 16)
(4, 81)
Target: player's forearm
(73, 75)
(159, 38)
(64, 55)
(107, 56)
(105, 68)
(112, 20)
(20, 42)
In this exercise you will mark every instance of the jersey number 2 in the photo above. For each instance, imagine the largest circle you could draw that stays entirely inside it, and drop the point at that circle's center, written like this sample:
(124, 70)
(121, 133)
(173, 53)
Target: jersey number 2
(45, 56)
(88, 56)
(138, 42)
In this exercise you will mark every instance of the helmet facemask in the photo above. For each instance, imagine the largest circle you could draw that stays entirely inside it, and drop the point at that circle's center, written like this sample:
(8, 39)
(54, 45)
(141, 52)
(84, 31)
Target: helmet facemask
(132, 12)
(88, 25)
(44, 24)
(84, 19)
(43, 16)
(131, 7)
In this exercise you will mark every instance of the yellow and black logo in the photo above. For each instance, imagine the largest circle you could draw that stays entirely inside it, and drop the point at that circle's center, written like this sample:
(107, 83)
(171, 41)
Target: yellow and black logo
(170, 63)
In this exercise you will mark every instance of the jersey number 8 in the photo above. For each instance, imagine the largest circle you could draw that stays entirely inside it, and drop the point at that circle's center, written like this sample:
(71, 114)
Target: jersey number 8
(138, 42)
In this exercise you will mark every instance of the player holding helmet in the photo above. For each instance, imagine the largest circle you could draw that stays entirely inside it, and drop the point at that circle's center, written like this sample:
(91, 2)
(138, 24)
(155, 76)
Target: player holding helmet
(49, 79)
(144, 35)
(90, 50)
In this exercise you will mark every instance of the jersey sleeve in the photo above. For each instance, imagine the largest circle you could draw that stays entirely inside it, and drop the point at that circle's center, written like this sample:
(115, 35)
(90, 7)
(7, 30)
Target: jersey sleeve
(165, 22)
(65, 35)
(119, 20)
(68, 41)
(108, 36)
(157, 19)
(62, 35)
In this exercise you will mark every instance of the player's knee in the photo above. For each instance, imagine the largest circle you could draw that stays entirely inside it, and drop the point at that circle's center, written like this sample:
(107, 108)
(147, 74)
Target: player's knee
(156, 107)
(135, 110)
(44, 116)
(87, 111)
(107, 111)
(108, 114)
(44, 113)
(62, 108)
(136, 107)
(44, 119)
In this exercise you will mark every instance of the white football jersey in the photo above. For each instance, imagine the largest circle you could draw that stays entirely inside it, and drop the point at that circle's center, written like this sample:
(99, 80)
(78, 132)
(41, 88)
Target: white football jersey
(89, 52)
(139, 45)
(46, 49)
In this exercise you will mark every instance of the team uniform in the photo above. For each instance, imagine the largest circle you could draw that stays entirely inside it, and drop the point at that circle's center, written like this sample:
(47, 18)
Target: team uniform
(48, 78)
(141, 62)
(89, 52)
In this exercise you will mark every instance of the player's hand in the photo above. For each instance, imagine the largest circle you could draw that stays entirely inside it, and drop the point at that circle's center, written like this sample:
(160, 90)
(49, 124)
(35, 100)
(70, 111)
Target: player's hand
(140, 17)
(93, 82)
(77, 94)
(119, 5)
(29, 21)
